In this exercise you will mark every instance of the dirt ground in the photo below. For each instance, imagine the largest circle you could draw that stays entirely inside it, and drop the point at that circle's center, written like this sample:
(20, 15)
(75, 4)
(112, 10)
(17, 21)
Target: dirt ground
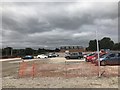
(56, 73)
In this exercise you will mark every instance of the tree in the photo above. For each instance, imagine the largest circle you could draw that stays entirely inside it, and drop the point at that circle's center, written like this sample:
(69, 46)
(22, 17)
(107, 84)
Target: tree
(19, 52)
(119, 46)
(92, 45)
(29, 51)
(7, 51)
(57, 50)
(115, 47)
(69, 47)
(106, 43)
(41, 51)
(3, 52)
(78, 47)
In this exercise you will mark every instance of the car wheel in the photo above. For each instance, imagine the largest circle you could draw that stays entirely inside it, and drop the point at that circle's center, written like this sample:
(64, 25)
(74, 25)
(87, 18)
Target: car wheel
(79, 57)
(86, 60)
(103, 63)
(67, 57)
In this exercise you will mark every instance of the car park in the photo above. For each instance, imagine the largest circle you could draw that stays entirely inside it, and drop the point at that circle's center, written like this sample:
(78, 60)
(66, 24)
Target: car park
(42, 56)
(27, 57)
(109, 59)
(74, 55)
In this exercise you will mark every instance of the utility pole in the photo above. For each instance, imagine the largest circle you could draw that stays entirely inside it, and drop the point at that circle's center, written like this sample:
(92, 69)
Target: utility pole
(99, 74)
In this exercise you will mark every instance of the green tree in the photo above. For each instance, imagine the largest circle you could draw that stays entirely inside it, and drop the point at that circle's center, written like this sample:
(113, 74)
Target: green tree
(57, 50)
(41, 51)
(92, 45)
(119, 46)
(106, 43)
(115, 47)
(29, 51)
(7, 51)
(19, 52)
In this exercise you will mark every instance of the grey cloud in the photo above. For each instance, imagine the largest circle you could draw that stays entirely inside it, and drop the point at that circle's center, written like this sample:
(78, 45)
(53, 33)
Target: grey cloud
(29, 25)
(54, 24)
(69, 23)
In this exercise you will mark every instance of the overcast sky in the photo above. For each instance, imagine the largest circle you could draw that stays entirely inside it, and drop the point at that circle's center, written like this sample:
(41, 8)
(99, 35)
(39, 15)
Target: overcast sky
(54, 24)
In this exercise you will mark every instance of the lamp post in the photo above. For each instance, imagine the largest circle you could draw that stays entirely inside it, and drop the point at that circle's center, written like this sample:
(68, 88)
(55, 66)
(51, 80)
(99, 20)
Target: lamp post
(99, 74)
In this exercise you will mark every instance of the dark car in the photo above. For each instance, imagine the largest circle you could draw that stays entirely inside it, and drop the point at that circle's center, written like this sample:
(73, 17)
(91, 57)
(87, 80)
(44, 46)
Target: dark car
(110, 59)
(27, 57)
(75, 55)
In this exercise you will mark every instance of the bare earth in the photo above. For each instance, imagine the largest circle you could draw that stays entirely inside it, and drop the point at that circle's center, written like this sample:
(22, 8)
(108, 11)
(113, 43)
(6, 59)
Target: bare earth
(56, 73)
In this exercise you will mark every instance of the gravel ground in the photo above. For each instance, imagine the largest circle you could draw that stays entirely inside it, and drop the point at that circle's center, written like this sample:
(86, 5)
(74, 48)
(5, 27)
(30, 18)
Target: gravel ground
(54, 73)
(58, 82)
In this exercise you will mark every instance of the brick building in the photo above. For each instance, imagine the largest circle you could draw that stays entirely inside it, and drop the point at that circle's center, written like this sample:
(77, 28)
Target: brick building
(72, 48)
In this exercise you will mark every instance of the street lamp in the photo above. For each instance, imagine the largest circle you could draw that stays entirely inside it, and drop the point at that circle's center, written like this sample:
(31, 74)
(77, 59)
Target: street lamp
(99, 74)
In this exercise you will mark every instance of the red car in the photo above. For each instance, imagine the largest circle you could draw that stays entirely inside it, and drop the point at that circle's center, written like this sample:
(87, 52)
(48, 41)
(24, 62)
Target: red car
(89, 57)
(93, 57)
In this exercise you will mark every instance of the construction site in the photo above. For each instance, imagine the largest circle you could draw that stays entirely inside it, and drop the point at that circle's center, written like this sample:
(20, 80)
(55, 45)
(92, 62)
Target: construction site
(57, 73)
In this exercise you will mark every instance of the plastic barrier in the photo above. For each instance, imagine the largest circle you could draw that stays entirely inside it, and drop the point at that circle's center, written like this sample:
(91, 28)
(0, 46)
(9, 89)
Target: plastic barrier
(23, 69)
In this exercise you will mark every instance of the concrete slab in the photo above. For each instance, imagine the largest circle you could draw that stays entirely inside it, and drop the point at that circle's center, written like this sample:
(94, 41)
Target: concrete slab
(10, 59)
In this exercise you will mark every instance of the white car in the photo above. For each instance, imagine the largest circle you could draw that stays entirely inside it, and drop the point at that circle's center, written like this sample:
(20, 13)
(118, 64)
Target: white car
(42, 56)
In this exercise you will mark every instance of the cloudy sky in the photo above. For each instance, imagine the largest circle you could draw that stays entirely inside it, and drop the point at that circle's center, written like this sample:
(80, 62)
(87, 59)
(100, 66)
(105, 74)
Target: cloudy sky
(52, 24)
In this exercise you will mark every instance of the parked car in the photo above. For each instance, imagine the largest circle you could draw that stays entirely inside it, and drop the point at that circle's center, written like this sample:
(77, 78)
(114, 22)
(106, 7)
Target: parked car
(85, 55)
(109, 59)
(93, 60)
(50, 55)
(27, 57)
(74, 55)
(42, 56)
(90, 56)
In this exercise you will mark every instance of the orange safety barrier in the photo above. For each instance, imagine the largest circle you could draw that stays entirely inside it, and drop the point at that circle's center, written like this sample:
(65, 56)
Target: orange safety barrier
(23, 67)
(33, 71)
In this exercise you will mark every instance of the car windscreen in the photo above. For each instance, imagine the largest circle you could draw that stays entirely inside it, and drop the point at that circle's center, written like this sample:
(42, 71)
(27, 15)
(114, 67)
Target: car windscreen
(102, 56)
(118, 55)
(91, 54)
(112, 55)
(108, 55)
(74, 53)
